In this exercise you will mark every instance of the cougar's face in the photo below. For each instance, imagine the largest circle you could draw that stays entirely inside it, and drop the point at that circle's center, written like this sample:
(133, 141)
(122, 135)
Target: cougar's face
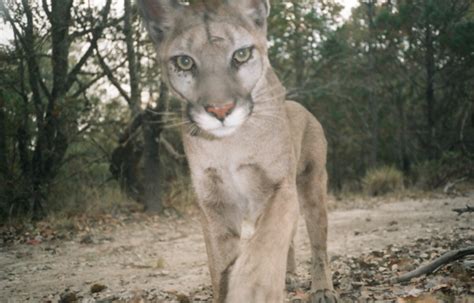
(213, 55)
(214, 67)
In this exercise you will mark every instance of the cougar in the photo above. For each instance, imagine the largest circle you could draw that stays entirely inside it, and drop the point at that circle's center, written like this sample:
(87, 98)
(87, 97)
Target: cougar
(253, 156)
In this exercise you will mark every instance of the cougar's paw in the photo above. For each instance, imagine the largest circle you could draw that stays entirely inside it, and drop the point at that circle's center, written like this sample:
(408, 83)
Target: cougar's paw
(324, 296)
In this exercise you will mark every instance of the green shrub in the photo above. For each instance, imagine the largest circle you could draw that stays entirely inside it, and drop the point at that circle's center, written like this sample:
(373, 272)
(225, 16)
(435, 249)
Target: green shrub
(450, 166)
(382, 180)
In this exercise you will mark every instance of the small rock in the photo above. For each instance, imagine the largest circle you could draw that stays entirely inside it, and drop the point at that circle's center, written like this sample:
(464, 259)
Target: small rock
(357, 284)
(68, 297)
(95, 288)
(87, 239)
(182, 298)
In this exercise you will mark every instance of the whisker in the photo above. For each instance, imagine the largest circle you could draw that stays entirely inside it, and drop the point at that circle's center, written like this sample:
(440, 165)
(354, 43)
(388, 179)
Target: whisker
(154, 122)
(177, 124)
(193, 130)
(161, 113)
(164, 121)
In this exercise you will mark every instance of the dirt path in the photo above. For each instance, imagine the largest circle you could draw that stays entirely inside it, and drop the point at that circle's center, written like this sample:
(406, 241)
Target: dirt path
(168, 256)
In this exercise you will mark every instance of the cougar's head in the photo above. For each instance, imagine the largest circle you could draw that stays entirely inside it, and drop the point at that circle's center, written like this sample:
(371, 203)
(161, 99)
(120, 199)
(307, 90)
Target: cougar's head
(213, 55)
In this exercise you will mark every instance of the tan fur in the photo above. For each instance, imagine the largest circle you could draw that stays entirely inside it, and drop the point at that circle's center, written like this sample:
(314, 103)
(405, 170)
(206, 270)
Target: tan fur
(266, 171)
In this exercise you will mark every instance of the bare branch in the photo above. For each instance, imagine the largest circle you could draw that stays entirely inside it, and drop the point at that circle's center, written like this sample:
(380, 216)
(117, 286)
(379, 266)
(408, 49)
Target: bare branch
(131, 129)
(467, 209)
(102, 149)
(96, 34)
(170, 149)
(28, 44)
(84, 87)
(81, 33)
(9, 18)
(110, 75)
(46, 9)
(133, 64)
(435, 264)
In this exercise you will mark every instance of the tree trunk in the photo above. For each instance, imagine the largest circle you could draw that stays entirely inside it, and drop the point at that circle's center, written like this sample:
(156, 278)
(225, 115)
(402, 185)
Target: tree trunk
(429, 93)
(36, 186)
(3, 141)
(153, 173)
(5, 188)
(373, 105)
(57, 141)
(298, 58)
(125, 168)
(133, 67)
(404, 159)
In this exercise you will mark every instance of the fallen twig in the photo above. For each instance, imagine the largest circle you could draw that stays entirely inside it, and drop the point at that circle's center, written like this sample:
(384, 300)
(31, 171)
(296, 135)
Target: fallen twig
(467, 209)
(450, 186)
(448, 257)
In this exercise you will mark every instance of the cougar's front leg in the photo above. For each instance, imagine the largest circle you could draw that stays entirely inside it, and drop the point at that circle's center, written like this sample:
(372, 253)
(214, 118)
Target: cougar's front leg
(291, 279)
(258, 275)
(221, 223)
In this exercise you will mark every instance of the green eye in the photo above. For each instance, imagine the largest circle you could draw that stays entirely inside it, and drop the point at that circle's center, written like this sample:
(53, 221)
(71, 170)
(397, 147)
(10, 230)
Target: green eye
(184, 63)
(242, 55)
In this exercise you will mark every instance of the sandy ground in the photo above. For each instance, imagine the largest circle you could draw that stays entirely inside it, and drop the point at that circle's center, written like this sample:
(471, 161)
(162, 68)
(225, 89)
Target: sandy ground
(169, 254)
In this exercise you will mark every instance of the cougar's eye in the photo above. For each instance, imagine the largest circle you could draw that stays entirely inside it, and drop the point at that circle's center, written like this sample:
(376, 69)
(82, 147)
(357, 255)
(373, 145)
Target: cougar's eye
(242, 55)
(184, 63)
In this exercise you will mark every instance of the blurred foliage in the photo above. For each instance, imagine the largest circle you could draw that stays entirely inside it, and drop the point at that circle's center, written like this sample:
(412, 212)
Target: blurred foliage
(451, 166)
(391, 85)
(382, 180)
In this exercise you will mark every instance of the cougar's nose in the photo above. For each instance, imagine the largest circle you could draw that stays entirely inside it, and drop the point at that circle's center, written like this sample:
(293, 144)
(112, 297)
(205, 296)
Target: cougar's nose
(220, 112)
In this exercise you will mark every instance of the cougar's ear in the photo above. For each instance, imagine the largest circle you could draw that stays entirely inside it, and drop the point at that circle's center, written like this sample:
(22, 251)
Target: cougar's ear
(159, 16)
(256, 10)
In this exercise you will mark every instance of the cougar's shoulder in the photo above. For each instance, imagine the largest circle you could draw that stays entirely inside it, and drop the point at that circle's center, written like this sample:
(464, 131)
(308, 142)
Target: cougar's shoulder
(308, 139)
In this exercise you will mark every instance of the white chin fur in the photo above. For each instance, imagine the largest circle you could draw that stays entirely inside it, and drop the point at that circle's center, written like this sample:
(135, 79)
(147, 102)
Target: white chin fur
(215, 127)
(223, 131)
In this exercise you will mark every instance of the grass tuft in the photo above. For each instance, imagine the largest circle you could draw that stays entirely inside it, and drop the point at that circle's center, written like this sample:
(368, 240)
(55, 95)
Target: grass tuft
(382, 180)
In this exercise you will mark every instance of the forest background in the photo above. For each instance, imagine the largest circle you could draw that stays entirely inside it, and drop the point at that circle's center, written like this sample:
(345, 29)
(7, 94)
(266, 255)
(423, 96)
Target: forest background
(86, 125)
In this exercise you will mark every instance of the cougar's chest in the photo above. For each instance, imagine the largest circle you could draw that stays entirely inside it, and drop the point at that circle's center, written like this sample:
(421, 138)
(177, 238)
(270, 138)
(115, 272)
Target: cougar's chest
(243, 170)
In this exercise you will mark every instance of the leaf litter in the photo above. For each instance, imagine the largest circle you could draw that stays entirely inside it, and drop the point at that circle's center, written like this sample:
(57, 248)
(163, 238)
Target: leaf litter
(358, 277)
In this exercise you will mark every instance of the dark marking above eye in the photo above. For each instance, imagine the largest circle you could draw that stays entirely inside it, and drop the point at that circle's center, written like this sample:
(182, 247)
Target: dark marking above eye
(207, 26)
(229, 34)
